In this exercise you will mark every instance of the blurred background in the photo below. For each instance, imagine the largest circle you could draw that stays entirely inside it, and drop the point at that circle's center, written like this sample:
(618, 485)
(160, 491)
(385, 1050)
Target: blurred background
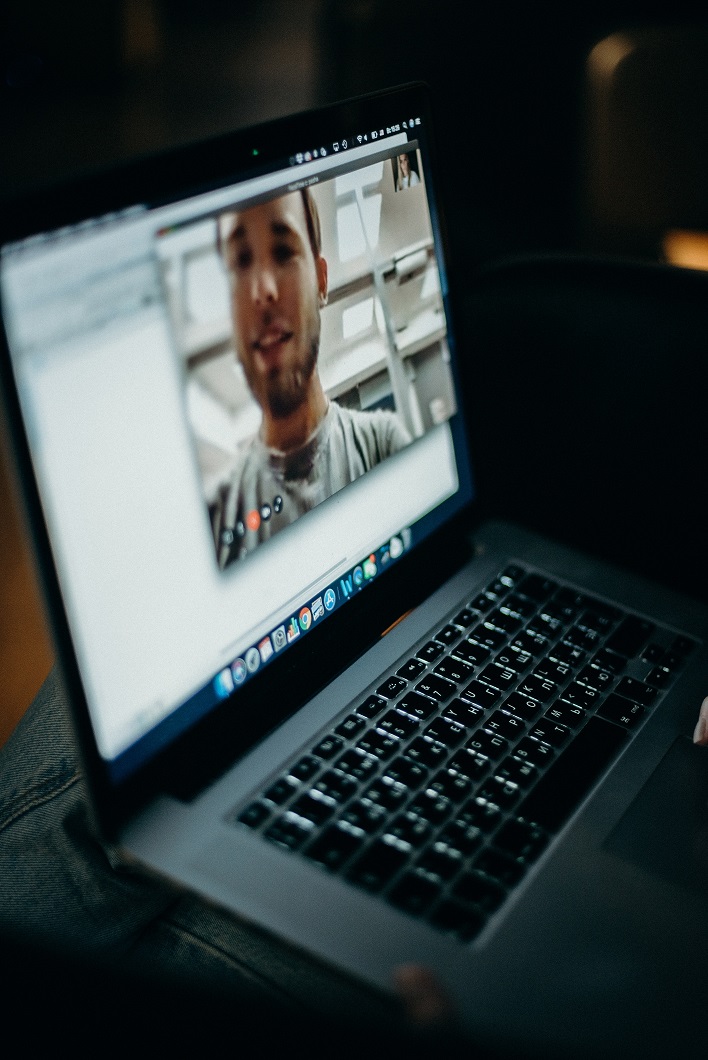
(563, 128)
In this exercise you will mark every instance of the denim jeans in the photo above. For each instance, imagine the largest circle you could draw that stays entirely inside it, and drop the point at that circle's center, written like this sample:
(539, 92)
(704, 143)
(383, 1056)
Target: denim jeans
(61, 886)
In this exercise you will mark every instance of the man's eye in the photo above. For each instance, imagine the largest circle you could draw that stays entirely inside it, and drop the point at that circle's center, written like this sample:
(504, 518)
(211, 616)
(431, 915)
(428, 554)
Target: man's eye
(282, 252)
(243, 259)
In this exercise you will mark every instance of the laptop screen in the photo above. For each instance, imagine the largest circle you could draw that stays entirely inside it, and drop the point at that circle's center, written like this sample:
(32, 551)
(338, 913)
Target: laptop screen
(241, 410)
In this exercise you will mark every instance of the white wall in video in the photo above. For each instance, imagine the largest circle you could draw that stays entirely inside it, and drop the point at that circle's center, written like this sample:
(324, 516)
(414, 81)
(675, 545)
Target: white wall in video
(313, 338)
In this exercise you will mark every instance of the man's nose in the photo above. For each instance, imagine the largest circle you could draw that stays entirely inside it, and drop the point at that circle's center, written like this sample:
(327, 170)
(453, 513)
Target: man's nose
(264, 285)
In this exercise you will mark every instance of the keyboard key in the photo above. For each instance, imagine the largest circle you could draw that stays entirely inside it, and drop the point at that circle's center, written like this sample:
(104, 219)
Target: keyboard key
(255, 814)
(417, 706)
(483, 695)
(472, 652)
(430, 651)
(506, 725)
(518, 770)
(488, 744)
(572, 775)
(538, 754)
(682, 645)
(481, 603)
(314, 807)
(481, 813)
(463, 837)
(489, 637)
(336, 785)
(448, 732)
(476, 889)
(451, 784)
(538, 688)
(328, 747)
(465, 922)
(406, 771)
(463, 713)
(514, 659)
(365, 815)
(585, 639)
(441, 860)
(567, 653)
(372, 707)
(387, 793)
(428, 753)
(534, 643)
(522, 706)
(630, 636)
(537, 587)
(495, 863)
(305, 768)
(454, 670)
(414, 893)
(400, 725)
(601, 680)
(288, 832)
(410, 828)
(391, 687)
(430, 806)
(507, 623)
(379, 863)
(281, 791)
(499, 676)
(521, 840)
(356, 764)
(334, 847)
(466, 618)
(659, 676)
(552, 670)
(519, 605)
(637, 691)
(470, 764)
(549, 732)
(379, 744)
(581, 696)
(411, 669)
(610, 661)
(350, 726)
(503, 793)
(566, 714)
(623, 711)
(436, 688)
(447, 635)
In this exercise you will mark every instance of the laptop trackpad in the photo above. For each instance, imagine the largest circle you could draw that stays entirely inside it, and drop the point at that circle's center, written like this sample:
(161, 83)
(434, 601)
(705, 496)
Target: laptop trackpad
(665, 830)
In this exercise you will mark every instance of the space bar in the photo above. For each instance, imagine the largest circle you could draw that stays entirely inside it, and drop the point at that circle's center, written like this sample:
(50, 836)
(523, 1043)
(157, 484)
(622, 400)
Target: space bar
(572, 774)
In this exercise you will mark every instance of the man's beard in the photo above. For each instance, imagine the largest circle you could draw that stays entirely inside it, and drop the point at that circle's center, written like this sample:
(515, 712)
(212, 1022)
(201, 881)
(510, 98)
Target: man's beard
(286, 390)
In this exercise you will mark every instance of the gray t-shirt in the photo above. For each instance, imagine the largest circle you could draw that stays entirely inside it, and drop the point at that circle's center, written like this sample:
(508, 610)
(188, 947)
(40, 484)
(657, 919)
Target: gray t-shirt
(268, 489)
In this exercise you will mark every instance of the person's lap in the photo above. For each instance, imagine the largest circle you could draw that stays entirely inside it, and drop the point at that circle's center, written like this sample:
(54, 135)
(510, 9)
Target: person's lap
(61, 887)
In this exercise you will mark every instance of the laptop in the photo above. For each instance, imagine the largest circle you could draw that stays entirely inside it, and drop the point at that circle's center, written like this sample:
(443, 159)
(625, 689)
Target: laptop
(308, 685)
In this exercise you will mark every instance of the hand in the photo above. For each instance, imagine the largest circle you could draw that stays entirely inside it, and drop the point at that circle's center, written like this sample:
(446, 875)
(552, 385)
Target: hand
(700, 735)
(425, 1002)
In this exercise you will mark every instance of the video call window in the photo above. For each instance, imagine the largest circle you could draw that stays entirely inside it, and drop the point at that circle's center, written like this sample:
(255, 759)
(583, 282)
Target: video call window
(313, 339)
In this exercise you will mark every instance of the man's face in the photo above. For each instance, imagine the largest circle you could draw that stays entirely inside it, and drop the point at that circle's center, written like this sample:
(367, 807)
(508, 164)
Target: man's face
(277, 287)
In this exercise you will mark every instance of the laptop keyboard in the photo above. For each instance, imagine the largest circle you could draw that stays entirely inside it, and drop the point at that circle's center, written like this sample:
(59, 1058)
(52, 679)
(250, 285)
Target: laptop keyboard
(440, 789)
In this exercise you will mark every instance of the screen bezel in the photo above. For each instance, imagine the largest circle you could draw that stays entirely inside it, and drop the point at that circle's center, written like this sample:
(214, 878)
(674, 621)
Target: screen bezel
(222, 736)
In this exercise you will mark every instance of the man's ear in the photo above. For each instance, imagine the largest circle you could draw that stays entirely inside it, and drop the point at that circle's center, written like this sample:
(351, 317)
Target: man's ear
(321, 266)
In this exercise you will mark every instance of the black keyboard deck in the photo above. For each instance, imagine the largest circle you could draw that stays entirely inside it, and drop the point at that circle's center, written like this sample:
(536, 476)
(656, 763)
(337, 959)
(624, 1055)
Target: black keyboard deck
(443, 786)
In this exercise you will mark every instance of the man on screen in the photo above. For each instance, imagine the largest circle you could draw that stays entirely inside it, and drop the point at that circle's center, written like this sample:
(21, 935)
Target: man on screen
(307, 447)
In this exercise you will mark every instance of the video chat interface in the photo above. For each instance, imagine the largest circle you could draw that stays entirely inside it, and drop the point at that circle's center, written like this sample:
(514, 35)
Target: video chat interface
(109, 389)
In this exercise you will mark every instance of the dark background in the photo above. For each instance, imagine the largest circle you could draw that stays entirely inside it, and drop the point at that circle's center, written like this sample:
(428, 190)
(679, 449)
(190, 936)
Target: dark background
(84, 83)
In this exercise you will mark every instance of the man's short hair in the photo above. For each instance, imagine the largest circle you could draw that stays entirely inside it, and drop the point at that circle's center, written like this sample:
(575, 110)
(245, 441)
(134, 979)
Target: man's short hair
(312, 220)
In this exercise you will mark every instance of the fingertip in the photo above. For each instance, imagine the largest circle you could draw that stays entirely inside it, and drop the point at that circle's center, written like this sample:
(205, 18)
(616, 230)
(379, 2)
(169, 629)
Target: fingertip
(700, 733)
